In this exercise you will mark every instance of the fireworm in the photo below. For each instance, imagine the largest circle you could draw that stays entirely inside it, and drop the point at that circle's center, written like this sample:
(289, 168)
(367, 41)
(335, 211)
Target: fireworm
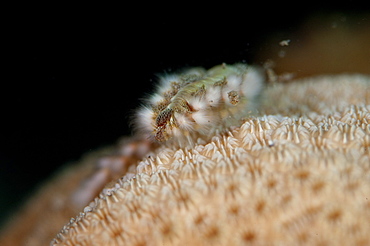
(197, 103)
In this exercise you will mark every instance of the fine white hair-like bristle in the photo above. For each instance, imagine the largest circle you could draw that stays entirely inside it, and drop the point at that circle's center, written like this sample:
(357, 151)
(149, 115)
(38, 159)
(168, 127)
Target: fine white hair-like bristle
(155, 98)
(184, 123)
(213, 96)
(204, 118)
(197, 103)
(165, 82)
(252, 82)
(144, 119)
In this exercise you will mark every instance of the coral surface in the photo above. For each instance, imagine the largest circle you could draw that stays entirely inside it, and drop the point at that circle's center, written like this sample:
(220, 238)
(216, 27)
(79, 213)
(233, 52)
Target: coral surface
(296, 173)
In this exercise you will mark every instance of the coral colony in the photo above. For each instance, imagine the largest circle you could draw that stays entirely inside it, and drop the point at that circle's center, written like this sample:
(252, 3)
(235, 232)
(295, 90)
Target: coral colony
(273, 178)
(219, 161)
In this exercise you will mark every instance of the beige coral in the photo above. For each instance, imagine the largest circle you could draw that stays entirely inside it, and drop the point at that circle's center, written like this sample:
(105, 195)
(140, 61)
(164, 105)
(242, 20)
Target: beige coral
(297, 173)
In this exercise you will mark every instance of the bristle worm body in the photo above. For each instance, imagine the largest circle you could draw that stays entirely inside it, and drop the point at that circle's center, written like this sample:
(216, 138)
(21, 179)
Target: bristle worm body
(198, 102)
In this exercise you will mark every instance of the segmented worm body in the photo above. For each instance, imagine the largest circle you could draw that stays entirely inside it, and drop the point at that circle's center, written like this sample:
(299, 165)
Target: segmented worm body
(198, 102)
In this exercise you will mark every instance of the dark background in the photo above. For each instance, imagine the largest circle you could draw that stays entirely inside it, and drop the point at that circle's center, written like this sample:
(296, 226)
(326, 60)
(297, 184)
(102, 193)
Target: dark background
(70, 81)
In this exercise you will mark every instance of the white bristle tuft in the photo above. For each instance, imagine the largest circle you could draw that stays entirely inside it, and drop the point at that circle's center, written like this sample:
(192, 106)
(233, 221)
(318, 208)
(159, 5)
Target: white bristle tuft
(144, 120)
(155, 98)
(165, 82)
(203, 118)
(213, 96)
(252, 82)
(184, 122)
(198, 103)
(233, 82)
